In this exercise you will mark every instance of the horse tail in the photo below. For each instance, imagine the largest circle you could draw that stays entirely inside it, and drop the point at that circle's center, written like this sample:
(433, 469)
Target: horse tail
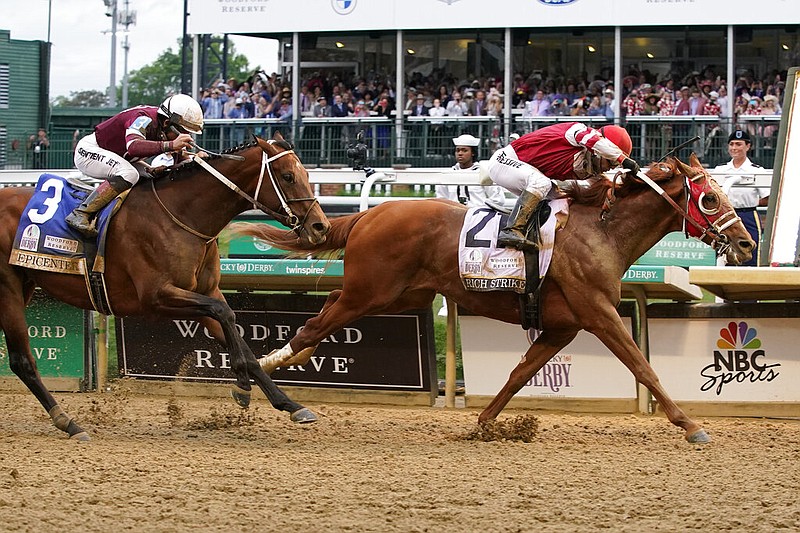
(336, 239)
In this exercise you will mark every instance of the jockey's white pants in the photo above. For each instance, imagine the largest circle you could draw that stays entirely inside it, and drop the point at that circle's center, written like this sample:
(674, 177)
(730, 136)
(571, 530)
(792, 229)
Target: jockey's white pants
(100, 163)
(507, 170)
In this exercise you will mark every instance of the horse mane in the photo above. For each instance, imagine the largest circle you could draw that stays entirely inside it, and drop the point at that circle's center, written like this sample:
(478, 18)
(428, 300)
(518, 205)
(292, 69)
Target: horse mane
(592, 196)
(192, 165)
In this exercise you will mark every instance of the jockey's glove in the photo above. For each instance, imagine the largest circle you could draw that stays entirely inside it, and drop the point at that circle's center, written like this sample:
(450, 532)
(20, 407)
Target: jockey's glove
(631, 165)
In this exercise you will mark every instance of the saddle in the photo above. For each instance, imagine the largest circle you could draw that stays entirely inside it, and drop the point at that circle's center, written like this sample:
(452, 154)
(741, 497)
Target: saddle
(484, 267)
(45, 242)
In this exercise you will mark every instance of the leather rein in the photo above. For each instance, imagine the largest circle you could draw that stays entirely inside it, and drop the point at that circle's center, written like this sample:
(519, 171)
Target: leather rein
(713, 231)
(289, 219)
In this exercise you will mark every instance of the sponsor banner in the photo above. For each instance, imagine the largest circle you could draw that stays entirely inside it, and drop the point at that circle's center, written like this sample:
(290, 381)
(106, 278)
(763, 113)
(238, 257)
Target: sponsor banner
(678, 250)
(727, 359)
(583, 369)
(311, 268)
(385, 352)
(280, 16)
(58, 339)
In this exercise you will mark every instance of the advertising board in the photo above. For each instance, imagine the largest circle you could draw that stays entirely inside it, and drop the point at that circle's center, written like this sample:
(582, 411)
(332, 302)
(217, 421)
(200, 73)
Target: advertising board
(58, 336)
(384, 352)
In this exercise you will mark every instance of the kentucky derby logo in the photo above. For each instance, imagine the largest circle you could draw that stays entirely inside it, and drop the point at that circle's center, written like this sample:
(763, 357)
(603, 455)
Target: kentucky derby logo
(739, 359)
(30, 238)
(344, 7)
(556, 2)
(553, 376)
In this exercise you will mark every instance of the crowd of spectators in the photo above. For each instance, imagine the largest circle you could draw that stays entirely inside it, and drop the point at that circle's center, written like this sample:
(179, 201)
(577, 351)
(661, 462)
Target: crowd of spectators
(440, 94)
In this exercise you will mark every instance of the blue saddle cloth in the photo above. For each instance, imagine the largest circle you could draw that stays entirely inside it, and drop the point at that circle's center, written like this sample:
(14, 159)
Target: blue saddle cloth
(44, 241)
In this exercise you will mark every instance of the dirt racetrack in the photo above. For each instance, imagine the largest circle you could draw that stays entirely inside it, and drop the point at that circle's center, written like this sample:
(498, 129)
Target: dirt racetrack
(157, 463)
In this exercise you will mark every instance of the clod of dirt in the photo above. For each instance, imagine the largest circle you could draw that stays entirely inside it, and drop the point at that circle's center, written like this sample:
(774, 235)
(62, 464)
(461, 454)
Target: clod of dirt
(522, 428)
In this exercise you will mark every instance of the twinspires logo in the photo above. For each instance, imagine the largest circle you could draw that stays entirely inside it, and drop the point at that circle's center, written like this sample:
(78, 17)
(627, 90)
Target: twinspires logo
(344, 7)
(738, 360)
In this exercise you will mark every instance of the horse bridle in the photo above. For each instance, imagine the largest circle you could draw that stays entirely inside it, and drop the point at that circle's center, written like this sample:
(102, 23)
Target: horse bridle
(289, 219)
(713, 231)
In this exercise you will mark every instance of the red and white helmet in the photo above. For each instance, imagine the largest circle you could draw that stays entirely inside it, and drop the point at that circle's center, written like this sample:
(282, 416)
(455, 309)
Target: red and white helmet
(619, 136)
(184, 112)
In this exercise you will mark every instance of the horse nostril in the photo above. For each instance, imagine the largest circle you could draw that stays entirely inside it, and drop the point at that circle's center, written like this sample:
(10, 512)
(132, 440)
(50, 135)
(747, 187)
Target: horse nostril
(746, 244)
(321, 227)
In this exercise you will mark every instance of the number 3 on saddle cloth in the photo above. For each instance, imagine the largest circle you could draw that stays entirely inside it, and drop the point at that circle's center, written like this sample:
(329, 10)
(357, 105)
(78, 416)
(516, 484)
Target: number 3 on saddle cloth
(44, 241)
(484, 267)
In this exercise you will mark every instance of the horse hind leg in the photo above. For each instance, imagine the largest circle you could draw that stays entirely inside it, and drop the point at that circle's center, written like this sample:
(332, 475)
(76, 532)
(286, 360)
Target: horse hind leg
(22, 363)
(541, 351)
(279, 357)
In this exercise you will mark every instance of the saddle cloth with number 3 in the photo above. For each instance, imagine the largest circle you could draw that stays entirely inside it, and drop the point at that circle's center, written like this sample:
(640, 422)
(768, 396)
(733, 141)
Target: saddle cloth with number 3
(44, 241)
(484, 267)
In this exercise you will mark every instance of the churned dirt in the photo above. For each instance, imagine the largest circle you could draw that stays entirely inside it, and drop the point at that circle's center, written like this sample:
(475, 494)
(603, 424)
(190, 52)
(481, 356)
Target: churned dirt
(161, 463)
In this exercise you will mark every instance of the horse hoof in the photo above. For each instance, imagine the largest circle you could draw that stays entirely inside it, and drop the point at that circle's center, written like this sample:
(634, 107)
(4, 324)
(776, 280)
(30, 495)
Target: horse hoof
(81, 437)
(699, 437)
(304, 416)
(240, 396)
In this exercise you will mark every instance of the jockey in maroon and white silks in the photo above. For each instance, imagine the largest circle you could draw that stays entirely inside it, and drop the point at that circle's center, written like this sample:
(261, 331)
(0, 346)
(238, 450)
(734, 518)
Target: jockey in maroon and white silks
(117, 146)
(563, 151)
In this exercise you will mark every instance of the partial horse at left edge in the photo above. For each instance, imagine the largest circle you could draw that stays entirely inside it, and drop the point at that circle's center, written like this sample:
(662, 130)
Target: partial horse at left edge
(161, 258)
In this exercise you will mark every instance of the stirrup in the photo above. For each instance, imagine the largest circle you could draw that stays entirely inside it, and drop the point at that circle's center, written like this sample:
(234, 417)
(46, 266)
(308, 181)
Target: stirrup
(82, 223)
(512, 239)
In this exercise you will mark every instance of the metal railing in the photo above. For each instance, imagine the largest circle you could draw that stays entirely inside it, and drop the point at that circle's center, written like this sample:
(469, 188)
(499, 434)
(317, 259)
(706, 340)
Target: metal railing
(426, 141)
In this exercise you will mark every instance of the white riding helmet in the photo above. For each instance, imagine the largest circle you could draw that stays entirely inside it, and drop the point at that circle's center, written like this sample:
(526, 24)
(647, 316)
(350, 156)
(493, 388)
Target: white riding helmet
(184, 112)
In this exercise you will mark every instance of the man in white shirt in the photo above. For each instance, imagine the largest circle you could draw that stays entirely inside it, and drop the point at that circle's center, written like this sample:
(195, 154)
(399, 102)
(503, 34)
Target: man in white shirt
(466, 151)
(744, 199)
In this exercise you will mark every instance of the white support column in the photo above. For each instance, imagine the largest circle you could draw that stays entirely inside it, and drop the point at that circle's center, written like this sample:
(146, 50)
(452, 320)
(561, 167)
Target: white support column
(617, 72)
(195, 64)
(400, 91)
(295, 83)
(507, 85)
(731, 73)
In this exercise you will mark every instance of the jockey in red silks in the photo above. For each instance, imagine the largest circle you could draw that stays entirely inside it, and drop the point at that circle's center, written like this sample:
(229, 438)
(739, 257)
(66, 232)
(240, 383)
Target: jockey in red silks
(114, 152)
(563, 151)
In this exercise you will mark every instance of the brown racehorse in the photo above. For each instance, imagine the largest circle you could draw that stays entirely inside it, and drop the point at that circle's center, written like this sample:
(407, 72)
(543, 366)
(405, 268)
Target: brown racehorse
(162, 257)
(400, 254)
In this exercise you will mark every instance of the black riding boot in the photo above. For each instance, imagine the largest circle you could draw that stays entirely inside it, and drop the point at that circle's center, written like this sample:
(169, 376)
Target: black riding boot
(513, 235)
(81, 217)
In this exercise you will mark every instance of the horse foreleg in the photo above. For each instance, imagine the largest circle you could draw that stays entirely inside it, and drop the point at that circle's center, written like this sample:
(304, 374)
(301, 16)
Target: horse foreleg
(542, 350)
(23, 364)
(616, 338)
(173, 301)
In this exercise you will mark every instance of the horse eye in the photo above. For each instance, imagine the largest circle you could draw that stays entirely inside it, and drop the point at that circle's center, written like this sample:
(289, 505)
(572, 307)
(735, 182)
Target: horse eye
(288, 177)
(709, 203)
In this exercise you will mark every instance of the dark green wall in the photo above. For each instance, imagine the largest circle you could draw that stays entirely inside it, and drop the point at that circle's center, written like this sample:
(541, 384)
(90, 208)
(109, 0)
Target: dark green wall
(28, 97)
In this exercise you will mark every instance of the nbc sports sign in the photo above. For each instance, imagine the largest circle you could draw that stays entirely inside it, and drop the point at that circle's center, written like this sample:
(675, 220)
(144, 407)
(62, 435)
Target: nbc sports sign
(727, 359)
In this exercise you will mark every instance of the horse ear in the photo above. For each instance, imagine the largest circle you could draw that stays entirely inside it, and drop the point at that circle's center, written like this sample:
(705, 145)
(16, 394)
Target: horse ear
(682, 167)
(694, 161)
(278, 136)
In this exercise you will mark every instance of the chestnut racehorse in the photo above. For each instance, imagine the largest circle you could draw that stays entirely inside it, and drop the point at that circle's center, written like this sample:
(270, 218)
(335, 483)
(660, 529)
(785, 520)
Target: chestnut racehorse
(162, 257)
(400, 254)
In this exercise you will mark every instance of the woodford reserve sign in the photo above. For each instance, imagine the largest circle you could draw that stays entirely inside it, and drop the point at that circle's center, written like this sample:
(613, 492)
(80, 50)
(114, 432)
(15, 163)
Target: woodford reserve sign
(385, 352)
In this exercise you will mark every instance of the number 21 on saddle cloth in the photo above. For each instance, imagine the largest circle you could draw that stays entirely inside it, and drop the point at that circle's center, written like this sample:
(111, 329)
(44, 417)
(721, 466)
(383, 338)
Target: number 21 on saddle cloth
(484, 267)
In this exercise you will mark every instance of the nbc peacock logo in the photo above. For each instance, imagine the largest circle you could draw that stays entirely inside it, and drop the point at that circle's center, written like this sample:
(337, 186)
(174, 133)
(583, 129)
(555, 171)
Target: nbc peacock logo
(738, 359)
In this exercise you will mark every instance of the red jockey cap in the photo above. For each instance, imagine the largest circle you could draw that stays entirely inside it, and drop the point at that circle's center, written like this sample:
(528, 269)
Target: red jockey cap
(618, 136)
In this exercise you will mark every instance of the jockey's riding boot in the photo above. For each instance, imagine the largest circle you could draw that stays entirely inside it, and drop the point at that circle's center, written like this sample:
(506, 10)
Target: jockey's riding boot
(81, 216)
(565, 187)
(513, 235)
